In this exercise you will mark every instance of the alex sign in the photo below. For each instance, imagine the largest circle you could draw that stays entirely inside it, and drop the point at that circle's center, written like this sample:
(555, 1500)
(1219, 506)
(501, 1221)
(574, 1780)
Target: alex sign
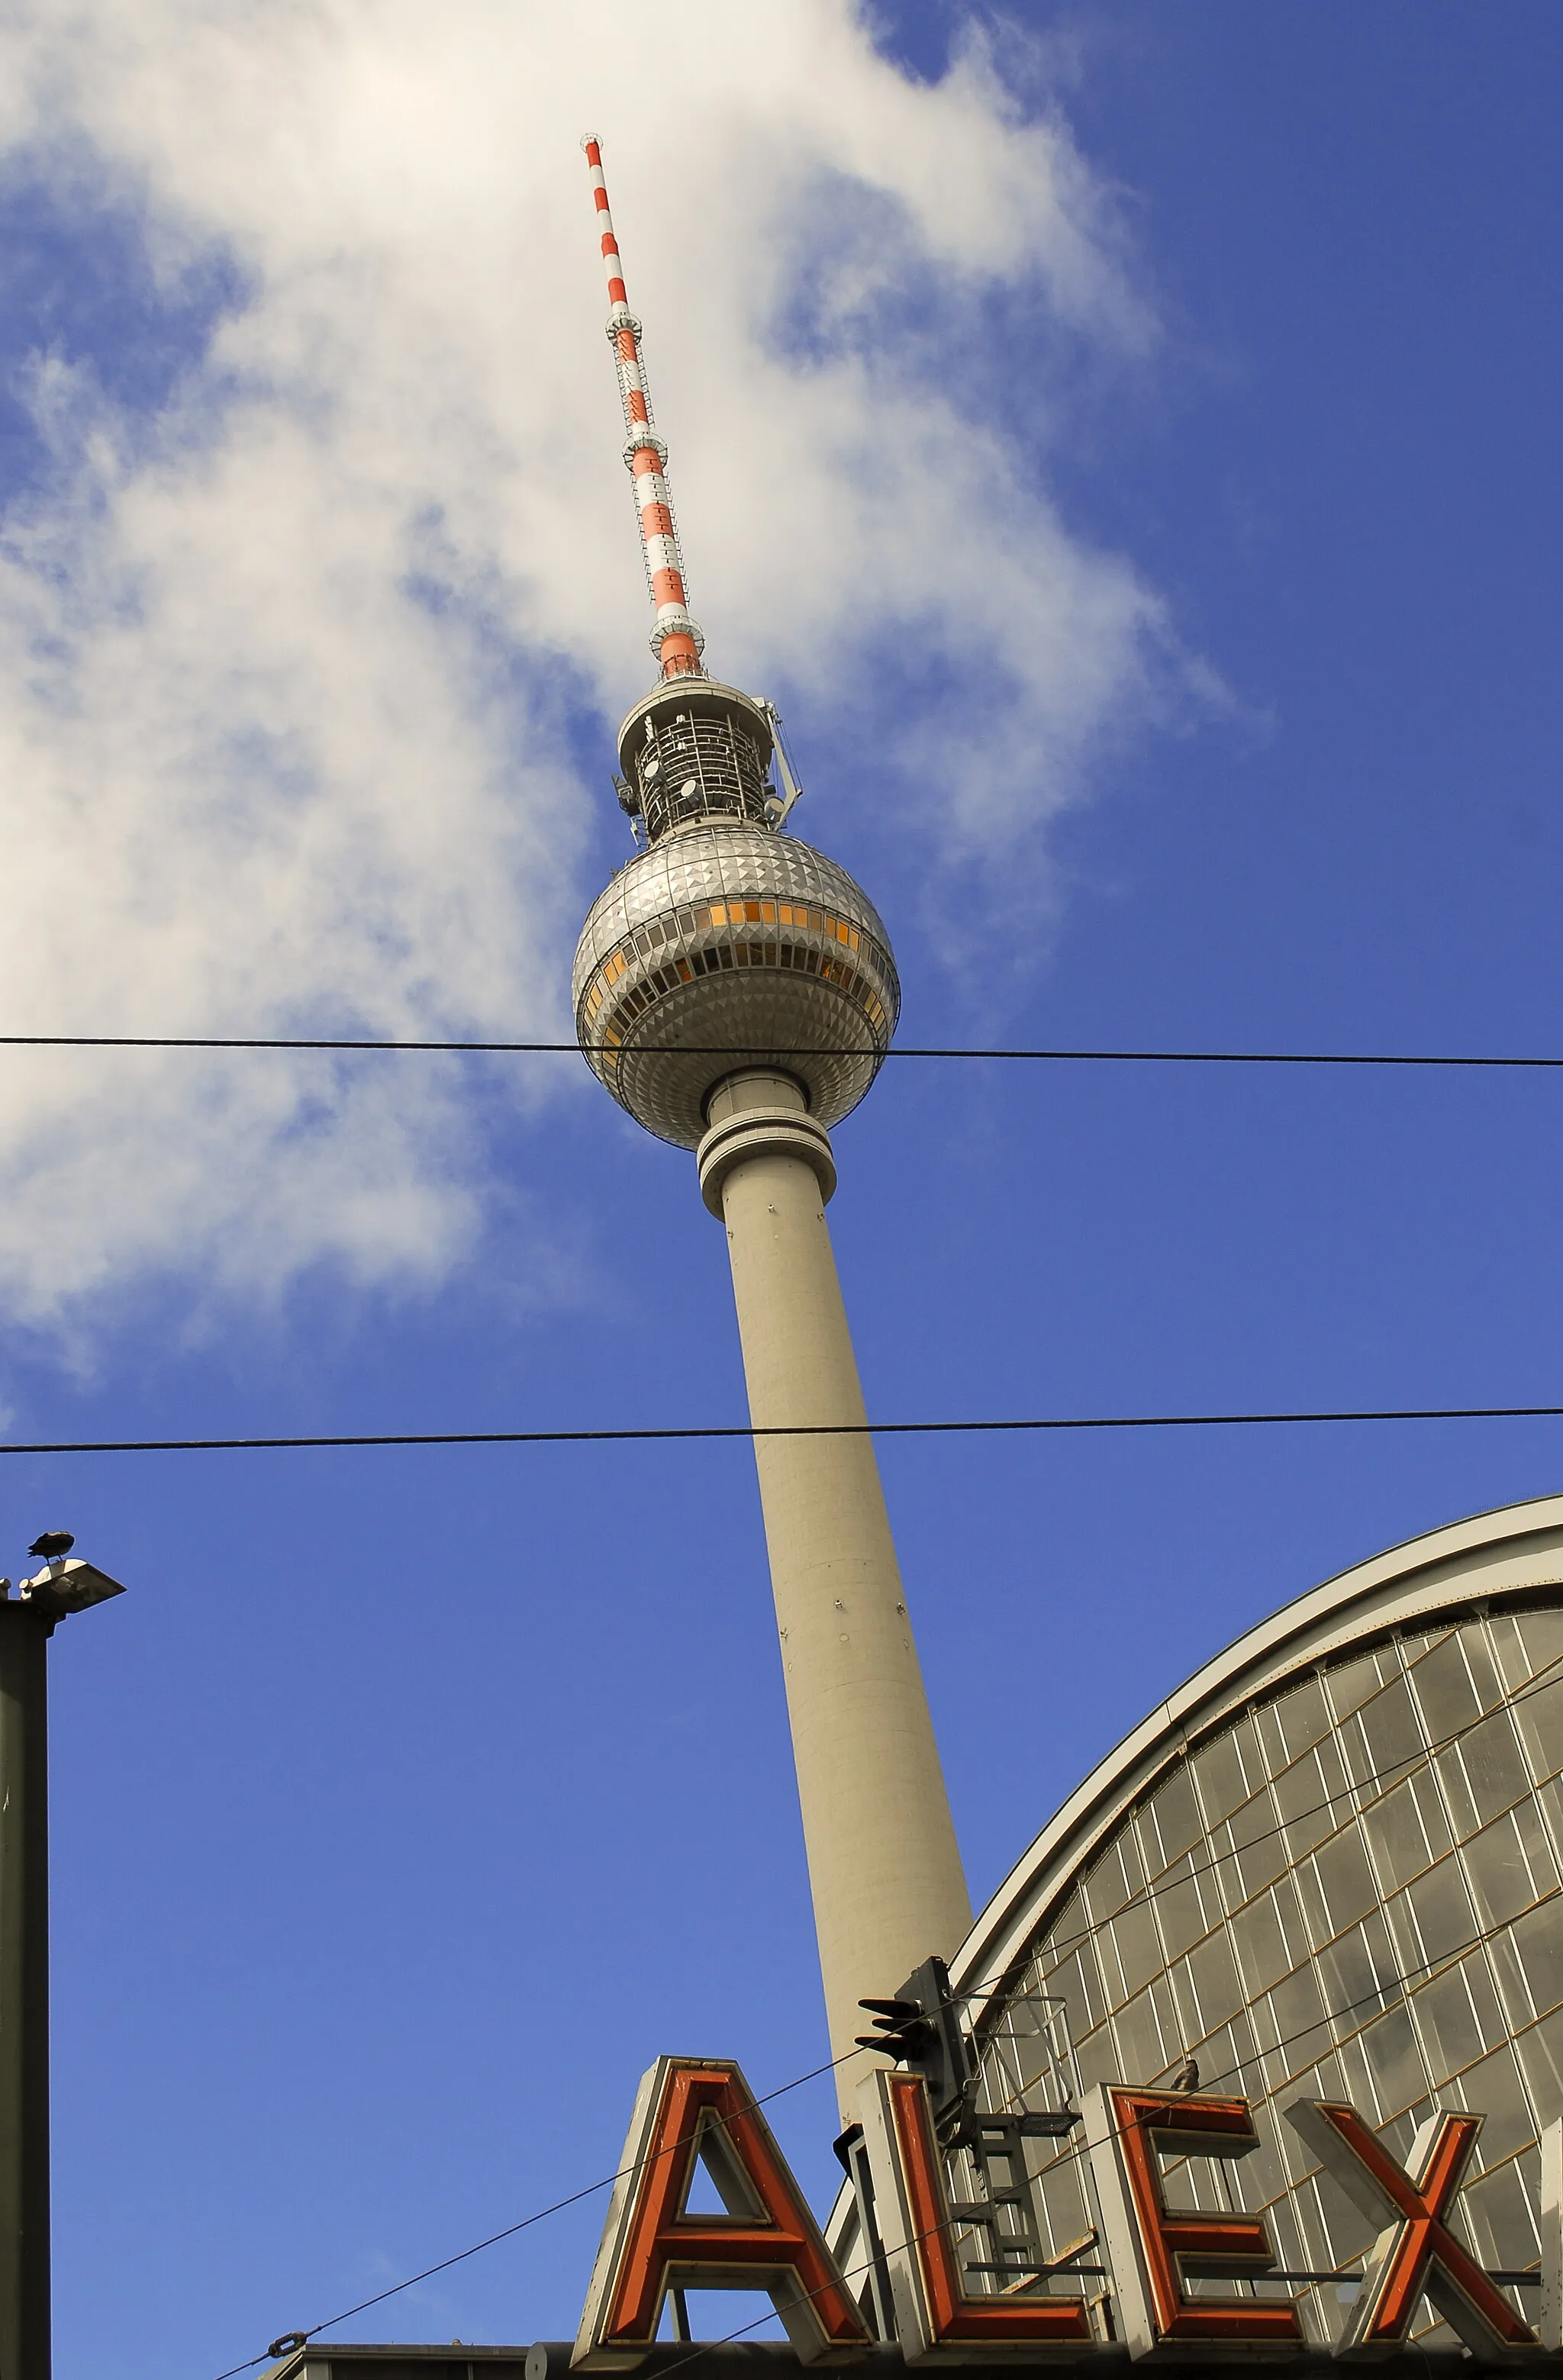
(700, 2112)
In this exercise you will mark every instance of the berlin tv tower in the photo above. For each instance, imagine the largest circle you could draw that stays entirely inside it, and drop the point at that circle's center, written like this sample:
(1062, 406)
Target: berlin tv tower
(735, 991)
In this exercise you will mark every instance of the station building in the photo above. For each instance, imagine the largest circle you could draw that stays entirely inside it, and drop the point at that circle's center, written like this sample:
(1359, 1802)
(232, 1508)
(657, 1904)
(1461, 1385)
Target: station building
(1329, 1867)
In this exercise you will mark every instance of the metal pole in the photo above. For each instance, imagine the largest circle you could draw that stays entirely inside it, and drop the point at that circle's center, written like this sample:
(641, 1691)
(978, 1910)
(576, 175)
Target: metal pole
(25, 1630)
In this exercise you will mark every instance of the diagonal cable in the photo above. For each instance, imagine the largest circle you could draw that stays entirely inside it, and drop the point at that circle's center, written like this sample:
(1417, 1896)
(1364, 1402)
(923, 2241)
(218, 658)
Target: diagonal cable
(779, 1429)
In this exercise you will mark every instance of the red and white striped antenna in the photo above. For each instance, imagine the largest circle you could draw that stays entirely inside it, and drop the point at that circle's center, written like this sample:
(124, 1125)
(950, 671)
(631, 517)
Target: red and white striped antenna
(676, 639)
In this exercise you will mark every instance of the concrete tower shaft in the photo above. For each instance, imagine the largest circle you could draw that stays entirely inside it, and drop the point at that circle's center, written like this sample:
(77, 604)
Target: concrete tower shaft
(885, 1870)
(736, 991)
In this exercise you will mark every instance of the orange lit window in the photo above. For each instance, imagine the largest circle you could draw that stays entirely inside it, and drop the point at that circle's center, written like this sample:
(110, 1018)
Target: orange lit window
(768, 912)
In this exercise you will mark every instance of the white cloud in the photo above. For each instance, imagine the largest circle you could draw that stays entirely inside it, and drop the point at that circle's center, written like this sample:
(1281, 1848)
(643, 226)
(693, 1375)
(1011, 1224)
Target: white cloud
(284, 666)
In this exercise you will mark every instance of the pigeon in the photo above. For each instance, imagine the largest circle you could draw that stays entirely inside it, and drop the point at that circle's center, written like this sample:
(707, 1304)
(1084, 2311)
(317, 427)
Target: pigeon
(53, 1544)
(1187, 2077)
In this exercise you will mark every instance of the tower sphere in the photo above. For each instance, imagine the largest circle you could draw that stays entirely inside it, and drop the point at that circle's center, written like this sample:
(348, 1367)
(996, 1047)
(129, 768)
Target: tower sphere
(727, 944)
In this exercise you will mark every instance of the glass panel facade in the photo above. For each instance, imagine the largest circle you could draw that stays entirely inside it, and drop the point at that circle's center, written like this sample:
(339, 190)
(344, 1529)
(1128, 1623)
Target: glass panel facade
(1352, 1890)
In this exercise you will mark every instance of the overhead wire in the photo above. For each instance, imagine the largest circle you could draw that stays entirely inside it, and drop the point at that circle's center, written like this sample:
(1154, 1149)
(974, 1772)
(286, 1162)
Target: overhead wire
(771, 1429)
(730, 1050)
(1541, 1682)
(585, 1437)
(519, 1047)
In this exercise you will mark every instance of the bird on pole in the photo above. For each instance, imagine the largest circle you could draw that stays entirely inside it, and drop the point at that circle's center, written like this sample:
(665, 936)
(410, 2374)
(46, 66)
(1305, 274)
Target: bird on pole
(53, 1545)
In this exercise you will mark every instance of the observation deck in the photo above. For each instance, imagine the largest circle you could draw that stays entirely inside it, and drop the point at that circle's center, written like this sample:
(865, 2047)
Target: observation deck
(725, 945)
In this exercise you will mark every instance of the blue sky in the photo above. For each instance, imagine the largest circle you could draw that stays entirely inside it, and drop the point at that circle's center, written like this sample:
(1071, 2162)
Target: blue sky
(411, 1802)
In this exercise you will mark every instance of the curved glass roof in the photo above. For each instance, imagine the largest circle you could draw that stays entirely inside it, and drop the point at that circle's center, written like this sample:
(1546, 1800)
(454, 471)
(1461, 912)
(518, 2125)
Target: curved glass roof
(1331, 1867)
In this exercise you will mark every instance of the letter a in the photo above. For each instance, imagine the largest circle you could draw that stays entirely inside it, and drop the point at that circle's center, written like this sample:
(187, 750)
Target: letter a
(1416, 2254)
(694, 2111)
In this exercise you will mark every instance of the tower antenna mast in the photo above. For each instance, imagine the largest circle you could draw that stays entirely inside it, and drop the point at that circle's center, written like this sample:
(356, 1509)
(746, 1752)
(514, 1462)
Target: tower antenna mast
(676, 639)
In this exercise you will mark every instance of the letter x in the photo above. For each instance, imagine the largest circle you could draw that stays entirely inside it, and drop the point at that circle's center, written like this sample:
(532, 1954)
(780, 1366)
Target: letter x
(1415, 2255)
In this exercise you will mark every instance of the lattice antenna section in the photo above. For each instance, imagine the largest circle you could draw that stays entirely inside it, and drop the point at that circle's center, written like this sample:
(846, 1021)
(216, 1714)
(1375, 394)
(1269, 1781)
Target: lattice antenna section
(676, 639)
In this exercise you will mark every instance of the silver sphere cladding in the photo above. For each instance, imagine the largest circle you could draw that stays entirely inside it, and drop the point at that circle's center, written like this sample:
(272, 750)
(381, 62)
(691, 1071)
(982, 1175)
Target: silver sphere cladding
(733, 938)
